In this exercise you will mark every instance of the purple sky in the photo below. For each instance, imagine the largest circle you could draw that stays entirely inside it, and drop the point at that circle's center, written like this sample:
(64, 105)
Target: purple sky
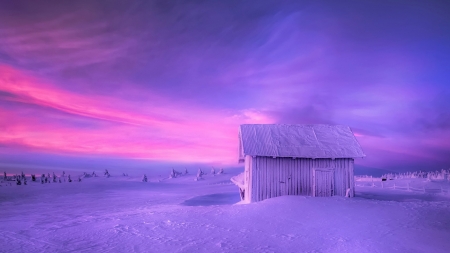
(157, 83)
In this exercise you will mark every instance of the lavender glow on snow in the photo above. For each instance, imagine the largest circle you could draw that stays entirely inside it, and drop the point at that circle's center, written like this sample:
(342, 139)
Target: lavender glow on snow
(182, 214)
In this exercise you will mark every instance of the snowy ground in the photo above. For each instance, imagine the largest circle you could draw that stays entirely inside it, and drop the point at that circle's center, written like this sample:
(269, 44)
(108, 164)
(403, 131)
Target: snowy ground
(123, 214)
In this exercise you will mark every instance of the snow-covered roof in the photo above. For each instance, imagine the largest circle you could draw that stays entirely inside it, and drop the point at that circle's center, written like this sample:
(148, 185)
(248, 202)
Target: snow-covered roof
(302, 141)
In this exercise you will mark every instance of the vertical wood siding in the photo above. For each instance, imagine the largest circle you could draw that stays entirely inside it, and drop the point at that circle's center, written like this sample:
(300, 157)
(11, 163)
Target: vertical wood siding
(272, 177)
(323, 182)
(248, 178)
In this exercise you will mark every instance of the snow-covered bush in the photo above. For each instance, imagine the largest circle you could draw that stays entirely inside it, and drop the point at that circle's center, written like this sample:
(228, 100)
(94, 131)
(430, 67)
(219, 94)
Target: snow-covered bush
(431, 175)
(186, 171)
(213, 171)
(174, 173)
(348, 193)
(106, 173)
(239, 181)
(69, 179)
(144, 178)
(33, 177)
(199, 175)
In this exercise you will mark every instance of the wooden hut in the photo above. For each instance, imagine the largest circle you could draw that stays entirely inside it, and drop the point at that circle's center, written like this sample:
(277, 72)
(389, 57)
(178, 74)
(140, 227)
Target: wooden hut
(311, 160)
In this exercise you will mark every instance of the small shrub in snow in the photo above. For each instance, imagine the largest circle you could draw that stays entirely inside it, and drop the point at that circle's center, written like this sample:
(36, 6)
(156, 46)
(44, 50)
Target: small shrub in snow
(186, 171)
(4, 176)
(69, 179)
(18, 181)
(144, 178)
(347, 193)
(33, 177)
(54, 177)
(79, 179)
(106, 173)
(174, 173)
(220, 171)
(213, 171)
(199, 175)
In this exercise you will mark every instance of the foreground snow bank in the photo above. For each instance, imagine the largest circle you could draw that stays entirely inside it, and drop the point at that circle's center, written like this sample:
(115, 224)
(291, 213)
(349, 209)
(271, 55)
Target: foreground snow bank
(120, 214)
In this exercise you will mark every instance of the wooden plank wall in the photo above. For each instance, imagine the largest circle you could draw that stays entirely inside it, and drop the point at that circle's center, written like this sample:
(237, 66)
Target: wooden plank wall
(272, 177)
(323, 182)
(343, 173)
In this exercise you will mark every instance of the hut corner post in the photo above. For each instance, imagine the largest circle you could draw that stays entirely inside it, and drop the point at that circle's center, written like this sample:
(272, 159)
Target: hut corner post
(248, 179)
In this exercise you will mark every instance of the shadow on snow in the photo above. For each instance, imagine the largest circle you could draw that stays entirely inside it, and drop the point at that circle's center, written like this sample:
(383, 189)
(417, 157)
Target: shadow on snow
(213, 199)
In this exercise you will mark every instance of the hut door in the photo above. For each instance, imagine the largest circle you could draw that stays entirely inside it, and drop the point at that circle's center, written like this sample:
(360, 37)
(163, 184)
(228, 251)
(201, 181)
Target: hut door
(323, 182)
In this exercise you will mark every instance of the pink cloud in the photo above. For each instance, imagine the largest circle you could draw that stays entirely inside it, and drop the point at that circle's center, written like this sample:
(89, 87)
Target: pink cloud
(137, 129)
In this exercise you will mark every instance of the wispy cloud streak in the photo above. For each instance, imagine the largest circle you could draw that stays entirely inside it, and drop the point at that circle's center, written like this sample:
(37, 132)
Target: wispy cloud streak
(136, 130)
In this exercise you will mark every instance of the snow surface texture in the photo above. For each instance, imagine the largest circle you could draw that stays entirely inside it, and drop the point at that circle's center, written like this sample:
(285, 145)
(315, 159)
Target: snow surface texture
(124, 214)
(305, 141)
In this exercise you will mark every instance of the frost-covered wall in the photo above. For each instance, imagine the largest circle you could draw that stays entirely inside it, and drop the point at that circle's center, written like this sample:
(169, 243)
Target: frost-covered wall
(267, 177)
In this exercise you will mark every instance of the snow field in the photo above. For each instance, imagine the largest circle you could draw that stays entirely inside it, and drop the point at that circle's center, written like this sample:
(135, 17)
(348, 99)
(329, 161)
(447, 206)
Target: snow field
(124, 214)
